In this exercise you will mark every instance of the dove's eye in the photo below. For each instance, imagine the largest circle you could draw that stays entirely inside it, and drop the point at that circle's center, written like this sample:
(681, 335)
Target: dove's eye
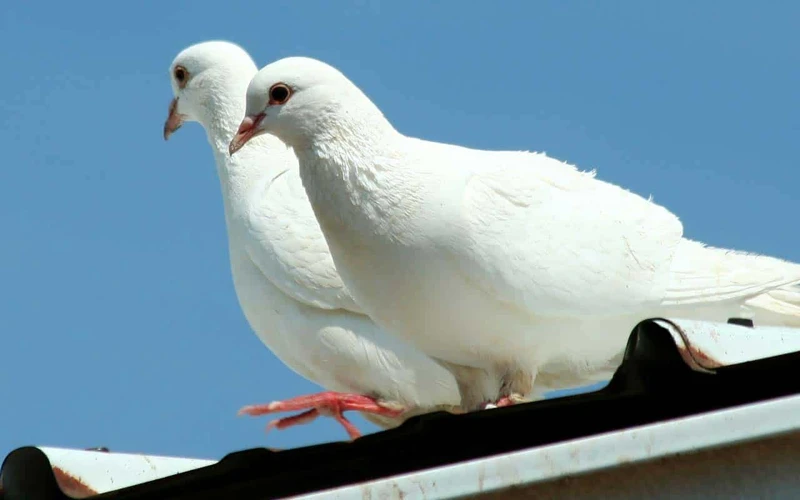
(181, 75)
(279, 93)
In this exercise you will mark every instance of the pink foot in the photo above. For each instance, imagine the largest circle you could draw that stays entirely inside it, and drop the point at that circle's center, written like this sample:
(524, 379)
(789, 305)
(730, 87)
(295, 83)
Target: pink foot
(323, 403)
(504, 401)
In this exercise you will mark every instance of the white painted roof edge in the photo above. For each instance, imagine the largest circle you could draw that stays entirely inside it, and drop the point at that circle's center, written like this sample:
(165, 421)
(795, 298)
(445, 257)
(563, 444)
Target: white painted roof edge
(707, 345)
(107, 471)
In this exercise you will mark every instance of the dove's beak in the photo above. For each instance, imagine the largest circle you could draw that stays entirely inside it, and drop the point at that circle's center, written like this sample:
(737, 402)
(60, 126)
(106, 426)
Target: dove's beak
(247, 130)
(174, 120)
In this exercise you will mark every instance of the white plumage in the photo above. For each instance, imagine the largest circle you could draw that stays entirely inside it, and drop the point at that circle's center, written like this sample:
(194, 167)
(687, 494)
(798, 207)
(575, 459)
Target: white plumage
(283, 273)
(510, 262)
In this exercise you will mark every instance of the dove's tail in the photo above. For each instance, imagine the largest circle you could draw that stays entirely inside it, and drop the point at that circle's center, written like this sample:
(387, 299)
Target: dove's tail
(704, 278)
(779, 307)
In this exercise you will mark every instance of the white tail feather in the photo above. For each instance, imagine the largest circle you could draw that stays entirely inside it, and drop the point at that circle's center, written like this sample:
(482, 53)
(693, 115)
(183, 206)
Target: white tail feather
(702, 275)
(779, 307)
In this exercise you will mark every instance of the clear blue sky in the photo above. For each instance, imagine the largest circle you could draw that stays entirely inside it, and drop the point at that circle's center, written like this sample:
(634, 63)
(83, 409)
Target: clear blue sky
(118, 318)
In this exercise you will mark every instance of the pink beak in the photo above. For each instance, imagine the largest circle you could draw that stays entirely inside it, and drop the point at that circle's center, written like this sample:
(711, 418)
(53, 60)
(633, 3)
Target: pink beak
(247, 130)
(174, 120)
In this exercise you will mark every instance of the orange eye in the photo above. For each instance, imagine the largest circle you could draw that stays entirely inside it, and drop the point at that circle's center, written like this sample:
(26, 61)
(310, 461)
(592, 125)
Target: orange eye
(279, 93)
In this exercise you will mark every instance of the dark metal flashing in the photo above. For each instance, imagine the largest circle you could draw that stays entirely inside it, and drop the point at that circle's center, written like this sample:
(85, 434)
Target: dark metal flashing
(653, 384)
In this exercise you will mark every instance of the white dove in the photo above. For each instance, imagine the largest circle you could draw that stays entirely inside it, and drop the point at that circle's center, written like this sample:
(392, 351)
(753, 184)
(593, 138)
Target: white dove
(511, 262)
(283, 273)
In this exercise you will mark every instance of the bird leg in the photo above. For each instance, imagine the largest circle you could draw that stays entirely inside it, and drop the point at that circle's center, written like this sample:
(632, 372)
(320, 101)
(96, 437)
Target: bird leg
(323, 403)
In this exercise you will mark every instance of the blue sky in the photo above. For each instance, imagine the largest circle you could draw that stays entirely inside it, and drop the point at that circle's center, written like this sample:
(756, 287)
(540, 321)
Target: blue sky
(118, 318)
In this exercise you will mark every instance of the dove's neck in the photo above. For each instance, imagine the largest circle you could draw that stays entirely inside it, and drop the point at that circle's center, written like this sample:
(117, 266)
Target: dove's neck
(234, 174)
(352, 176)
(263, 156)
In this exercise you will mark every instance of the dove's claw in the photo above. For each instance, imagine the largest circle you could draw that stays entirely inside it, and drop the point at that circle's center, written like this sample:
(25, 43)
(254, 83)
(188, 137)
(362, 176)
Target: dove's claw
(323, 403)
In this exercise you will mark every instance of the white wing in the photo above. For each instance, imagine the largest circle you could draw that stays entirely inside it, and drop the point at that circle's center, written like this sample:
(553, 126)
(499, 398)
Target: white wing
(542, 236)
(287, 244)
(555, 241)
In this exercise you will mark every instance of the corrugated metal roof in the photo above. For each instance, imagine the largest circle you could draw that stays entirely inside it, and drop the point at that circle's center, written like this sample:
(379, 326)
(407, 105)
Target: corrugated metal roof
(684, 386)
(571, 458)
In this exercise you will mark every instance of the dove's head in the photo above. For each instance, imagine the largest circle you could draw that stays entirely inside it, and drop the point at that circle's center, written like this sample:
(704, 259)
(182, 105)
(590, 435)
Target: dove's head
(298, 100)
(208, 79)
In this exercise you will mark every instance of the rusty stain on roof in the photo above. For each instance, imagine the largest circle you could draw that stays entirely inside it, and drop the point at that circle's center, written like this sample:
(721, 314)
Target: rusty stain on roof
(695, 357)
(71, 485)
(703, 358)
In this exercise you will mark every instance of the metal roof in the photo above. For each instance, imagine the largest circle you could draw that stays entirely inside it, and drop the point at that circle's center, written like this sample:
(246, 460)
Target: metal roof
(571, 458)
(706, 346)
(83, 473)
(684, 388)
